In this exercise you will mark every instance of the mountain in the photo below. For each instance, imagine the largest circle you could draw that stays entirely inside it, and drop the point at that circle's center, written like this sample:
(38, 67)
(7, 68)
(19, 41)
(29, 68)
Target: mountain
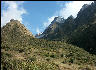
(85, 37)
(70, 30)
(52, 28)
(66, 44)
(85, 33)
(87, 14)
(56, 30)
(58, 19)
(22, 51)
(16, 26)
(14, 31)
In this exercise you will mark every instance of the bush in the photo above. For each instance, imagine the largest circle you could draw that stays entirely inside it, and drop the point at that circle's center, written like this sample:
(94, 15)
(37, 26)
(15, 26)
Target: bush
(32, 58)
(5, 54)
(87, 68)
(21, 50)
(70, 54)
(62, 55)
(71, 60)
(64, 61)
(53, 56)
(47, 55)
(48, 59)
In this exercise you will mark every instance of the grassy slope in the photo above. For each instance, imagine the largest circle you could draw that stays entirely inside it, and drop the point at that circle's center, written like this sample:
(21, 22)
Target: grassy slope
(39, 54)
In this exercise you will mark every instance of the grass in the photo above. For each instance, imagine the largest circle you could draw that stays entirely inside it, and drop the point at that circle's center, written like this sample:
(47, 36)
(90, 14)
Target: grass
(38, 55)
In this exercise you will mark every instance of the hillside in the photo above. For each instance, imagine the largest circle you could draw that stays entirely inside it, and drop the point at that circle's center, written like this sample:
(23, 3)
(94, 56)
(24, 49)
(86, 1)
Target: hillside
(66, 44)
(29, 53)
(14, 31)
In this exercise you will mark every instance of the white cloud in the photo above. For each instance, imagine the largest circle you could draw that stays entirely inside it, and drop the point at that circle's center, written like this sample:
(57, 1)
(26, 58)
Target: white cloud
(61, 3)
(14, 10)
(67, 8)
(72, 8)
(38, 30)
(50, 19)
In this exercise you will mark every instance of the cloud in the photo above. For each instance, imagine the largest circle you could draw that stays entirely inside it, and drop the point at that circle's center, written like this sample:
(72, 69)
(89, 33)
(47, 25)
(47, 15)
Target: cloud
(48, 22)
(14, 10)
(72, 8)
(38, 30)
(61, 3)
(67, 8)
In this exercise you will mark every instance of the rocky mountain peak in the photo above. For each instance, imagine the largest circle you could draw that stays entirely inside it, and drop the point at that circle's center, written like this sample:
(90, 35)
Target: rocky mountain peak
(58, 19)
(84, 7)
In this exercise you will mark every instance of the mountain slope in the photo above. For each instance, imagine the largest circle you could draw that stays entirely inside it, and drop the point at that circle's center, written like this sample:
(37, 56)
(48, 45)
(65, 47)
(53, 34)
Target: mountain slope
(56, 30)
(85, 37)
(28, 53)
(85, 34)
(41, 54)
(87, 15)
(21, 51)
(70, 30)
(14, 31)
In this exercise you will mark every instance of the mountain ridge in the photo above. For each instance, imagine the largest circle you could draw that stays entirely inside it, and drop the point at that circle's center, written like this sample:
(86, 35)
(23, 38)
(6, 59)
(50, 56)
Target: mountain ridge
(65, 46)
(67, 30)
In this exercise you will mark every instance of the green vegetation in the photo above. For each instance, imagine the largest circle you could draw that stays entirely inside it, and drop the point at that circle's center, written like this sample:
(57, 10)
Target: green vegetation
(85, 37)
(21, 51)
(39, 54)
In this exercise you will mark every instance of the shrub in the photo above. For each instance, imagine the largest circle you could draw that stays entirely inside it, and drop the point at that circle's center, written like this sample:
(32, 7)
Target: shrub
(21, 50)
(71, 60)
(5, 54)
(87, 68)
(62, 55)
(47, 55)
(53, 55)
(48, 59)
(64, 61)
(32, 58)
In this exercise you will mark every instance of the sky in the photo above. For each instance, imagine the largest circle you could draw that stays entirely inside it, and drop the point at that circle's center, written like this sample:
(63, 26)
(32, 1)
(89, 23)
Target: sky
(37, 15)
